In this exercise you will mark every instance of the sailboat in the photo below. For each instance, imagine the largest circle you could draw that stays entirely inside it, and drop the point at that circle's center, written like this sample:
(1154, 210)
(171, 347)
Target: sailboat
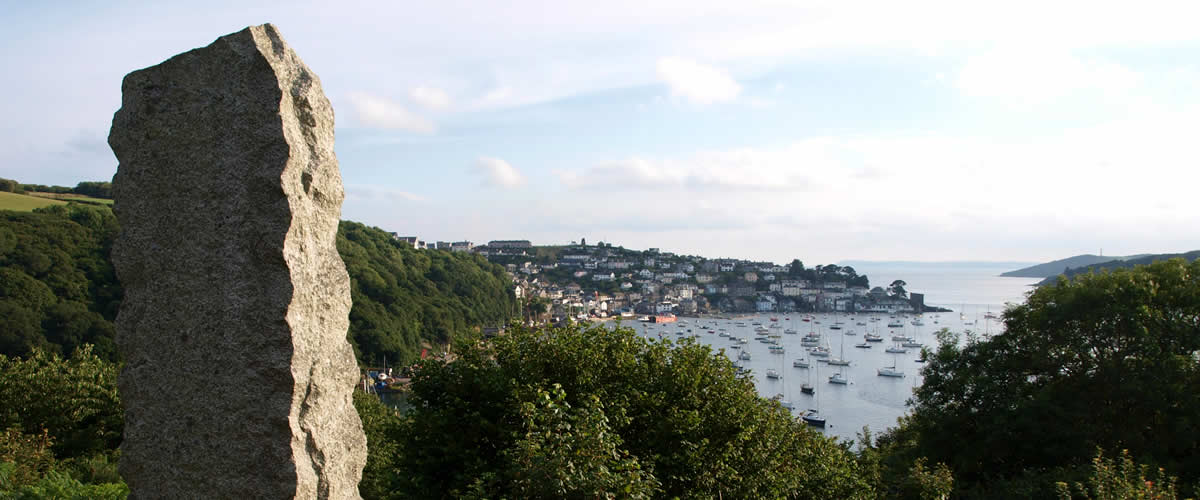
(890, 371)
(841, 359)
(785, 397)
(812, 417)
(838, 378)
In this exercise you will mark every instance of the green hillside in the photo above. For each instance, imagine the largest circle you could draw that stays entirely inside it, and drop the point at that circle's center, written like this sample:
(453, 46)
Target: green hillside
(1120, 263)
(58, 289)
(24, 203)
(1056, 267)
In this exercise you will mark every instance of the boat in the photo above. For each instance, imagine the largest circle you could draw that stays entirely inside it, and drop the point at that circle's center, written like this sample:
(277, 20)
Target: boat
(890, 371)
(901, 338)
(812, 418)
(911, 343)
(782, 402)
(819, 352)
(775, 349)
(790, 331)
(807, 387)
(745, 356)
(860, 323)
(772, 373)
(838, 379)
(895, 324)
(841, 359)
(810, 342)
(800, 363)
(896, 350)
(872, 338)
(863, 345)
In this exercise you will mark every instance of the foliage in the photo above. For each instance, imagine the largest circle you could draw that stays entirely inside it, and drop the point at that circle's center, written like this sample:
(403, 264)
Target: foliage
(381, 426)
(1121, 479)
(1113, 264)
(74, 401)
(60, 486)
(94, 189)
(9, 186)
(568, 452)
(1106, 360)
(651, 416)
(405, 297)
(897, 289)
(27, 456)
(58, 290)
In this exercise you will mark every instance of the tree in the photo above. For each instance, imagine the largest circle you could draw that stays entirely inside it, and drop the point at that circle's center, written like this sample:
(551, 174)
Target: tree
(796, 268)
(572, 412)
(74, 400)
(1103, 360)
(896, 289)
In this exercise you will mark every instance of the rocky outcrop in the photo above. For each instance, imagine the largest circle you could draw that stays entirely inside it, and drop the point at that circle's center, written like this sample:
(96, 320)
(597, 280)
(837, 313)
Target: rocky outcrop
(238, 376)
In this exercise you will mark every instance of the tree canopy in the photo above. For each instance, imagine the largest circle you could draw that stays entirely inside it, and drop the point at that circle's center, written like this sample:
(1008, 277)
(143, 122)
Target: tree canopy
(405, 297)
(1102, 361)
(593, 412)
(58, 289)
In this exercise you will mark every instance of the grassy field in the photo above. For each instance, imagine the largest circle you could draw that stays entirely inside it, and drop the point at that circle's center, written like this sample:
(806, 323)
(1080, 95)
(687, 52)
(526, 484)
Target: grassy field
(23, 203)
(72, 197)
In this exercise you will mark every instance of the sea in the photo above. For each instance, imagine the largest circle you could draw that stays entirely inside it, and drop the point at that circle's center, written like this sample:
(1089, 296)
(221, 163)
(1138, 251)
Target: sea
(973, 292)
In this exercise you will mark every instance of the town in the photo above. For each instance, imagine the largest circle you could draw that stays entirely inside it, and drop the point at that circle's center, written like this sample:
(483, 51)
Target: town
(582, 281)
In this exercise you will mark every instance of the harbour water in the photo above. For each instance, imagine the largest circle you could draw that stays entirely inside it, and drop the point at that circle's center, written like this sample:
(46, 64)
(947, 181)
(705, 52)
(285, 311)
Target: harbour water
(868, 399)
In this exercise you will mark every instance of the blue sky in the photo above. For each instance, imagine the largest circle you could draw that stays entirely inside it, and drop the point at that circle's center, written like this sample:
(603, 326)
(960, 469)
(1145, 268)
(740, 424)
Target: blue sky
(824, 131)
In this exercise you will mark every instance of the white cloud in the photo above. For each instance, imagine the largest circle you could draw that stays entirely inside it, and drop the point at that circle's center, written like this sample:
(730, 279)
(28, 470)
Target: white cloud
(430, 97)
(698, 83)
(381, 112)
(375, 194)
(1037, 74)
(499, 173)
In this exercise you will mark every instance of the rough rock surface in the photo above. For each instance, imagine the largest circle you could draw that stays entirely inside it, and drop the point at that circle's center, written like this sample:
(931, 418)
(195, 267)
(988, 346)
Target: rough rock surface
(238, 375)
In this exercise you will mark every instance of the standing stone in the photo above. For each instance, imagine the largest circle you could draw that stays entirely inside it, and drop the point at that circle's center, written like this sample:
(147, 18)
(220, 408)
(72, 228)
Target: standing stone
(238, 377)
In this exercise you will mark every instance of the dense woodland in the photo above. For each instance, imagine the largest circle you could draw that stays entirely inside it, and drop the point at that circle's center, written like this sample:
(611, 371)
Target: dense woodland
(58, 290)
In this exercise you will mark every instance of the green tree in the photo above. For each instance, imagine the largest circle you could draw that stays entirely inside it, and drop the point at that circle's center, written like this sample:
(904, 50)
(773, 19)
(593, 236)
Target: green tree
(1104, 360)
(1121, 479)
(897, 289)
(74, 400)
(646, 414)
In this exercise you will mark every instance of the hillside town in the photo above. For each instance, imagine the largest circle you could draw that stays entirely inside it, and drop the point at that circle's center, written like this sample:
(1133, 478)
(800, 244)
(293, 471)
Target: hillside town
(603, 280)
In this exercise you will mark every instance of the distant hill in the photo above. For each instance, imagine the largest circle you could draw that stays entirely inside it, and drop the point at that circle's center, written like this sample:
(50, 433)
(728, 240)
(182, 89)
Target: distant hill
(1121, 262)
(1055, 268)
(58, 289)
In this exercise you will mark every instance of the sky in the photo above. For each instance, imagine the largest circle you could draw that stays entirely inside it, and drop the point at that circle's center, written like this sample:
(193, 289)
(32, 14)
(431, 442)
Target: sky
(767, 130)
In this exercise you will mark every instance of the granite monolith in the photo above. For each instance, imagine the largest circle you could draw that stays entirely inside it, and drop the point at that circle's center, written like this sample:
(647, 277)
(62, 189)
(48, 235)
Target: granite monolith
(238, 376)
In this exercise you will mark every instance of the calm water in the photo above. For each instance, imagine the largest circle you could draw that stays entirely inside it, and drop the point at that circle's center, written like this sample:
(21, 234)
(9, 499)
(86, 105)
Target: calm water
(869, 399)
